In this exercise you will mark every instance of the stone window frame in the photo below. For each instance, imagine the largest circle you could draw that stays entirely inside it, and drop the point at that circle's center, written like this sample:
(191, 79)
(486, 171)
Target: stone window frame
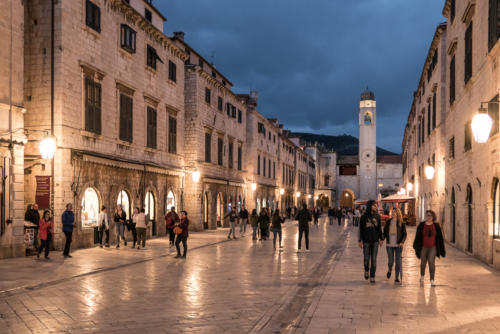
(93, 16)
(208, 148)
(220, 149)
(92, 73)
(151, 104)
(123, 89)
(172, 113)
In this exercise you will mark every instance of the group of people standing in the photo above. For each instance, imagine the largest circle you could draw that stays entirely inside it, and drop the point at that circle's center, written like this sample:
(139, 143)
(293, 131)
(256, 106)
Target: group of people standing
(341, 214)
(428, 243)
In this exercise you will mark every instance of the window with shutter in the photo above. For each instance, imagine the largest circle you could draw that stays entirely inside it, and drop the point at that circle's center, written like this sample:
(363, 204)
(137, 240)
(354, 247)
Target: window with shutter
(228, 108)
(423, 127)
(152, 57)
(172, 71)
(429, 119)
(220, 144)
(208, 147)
(230, 156)
(467, 137)
(239, 157)
(468, 54)
(269, 168)
(451, 148)
(126, 117)
(258, 165)
(92, 106)
(219, 103)
(127, 38)
(493, 23)
(239, 116)
(264, 167)
(93, 16)
(151, 129)
(452, 80)
(172, 135)
(434, 111)
(274, 169)
(452, 11)
(493, 112)
(233, 111)
(207, 95)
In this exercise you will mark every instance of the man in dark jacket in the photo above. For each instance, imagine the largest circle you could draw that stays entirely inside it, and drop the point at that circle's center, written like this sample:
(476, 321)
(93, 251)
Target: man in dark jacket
(68, 221)
(33, 216)
(243, 220)
(304, 217)
(370, 237)
(331, 214)
(339, 215)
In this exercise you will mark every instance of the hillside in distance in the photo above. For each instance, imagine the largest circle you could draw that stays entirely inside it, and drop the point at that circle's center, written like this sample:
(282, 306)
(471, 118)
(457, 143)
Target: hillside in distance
(343, 145)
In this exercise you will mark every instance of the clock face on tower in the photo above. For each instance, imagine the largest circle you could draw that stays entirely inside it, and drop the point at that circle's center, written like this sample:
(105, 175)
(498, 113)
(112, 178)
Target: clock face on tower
(368, 155)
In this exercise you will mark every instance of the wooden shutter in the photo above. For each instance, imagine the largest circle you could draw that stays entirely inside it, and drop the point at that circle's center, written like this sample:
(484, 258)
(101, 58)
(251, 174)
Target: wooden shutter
(151, 128)
(230, 156)
(172, 135)
(126, 117)
(452, 80)
(208, 146)
(468, 54)
(434, 111)
(239, 157)
(92, 106)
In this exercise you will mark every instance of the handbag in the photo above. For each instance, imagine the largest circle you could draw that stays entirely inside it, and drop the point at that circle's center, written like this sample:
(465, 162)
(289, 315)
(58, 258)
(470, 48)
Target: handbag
(177, 230)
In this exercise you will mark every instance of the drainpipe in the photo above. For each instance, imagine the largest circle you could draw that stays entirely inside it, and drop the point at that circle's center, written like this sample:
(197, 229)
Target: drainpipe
(52, 80)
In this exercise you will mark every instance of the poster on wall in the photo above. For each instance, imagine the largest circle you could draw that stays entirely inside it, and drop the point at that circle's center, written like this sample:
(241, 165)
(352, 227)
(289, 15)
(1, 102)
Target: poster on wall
(42, 196)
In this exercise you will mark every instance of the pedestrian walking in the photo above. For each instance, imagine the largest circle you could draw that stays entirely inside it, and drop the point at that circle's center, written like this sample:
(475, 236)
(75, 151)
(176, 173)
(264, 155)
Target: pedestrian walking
(395, 236)
(68, 222)
(120, 220)
(141, 227)
(350, 217)
(33, 216)
(288, 212)
(428, 244)
(370, 238)
(339, 215)
(331, 215)
(170, 219)
(243, 220)
(233, 217)
(276, 222)
(103, 226)
(264, 221)
(357, 216)
(316, 216)
(45, 234)
(304, 217)
(183, 235)
(254, 223)
(132, 226)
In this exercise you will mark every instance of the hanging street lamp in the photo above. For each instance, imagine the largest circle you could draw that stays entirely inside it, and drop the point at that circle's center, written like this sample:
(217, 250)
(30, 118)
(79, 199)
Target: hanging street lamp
(429, 172)
(47, 147)
(481, 126)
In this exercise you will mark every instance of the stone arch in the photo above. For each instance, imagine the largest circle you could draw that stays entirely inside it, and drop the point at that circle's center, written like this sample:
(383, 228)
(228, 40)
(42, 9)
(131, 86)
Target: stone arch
(347, 199)
(89, 211)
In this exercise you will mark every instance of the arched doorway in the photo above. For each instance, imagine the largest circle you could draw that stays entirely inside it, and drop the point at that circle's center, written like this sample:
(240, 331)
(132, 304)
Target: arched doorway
(150, 210)
(205, 211)
(170, 200)
(90, 208)
(258, 206)
(124, 200)
(238, 208)
(496, 208)
(347, 199)
(220, 209)
(452, 215)
(469, 218)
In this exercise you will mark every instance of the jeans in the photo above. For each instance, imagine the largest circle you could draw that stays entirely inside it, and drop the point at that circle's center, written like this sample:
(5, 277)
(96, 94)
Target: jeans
(254, 233)
(171, 235)
(278, 232)
(45, 244)
(120, 228)
(243, 225)
(339, 219)
(232, 229)
(134, 234)
(395, 252)
(180, 239)
(263, 233)
(68, 242)
(428, 255)
(330, 220)
(101, 233)
(370, 251)
(141, 236)
(304, 230)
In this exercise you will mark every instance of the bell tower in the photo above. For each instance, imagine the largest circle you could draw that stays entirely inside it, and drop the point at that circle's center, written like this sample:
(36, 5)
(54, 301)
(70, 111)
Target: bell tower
(368, 146)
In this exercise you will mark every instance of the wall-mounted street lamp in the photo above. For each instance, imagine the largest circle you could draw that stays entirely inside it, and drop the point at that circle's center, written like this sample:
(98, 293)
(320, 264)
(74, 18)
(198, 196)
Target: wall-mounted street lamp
(282, 191)
(196, 176)
(481, 124)
(253, 186)
(429, 172)
(47, 147)
(409, 186)
(297, 194)
(309, 196)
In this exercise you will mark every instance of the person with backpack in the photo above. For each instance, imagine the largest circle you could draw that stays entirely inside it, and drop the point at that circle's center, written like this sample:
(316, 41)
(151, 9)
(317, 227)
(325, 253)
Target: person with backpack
(370, 238)
(428, 244)
(45, 234)
(170, 219)
(304, 217)
(233, 217)
(395, 236)
(276, 222)
(103, 226)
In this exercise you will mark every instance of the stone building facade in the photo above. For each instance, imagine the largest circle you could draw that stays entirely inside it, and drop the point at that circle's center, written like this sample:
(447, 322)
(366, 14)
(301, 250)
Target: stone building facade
(12, 136)
(117, 112)
(463, 76)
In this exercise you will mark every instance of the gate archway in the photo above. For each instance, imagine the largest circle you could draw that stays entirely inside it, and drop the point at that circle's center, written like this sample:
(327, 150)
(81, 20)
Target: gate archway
(347, 199)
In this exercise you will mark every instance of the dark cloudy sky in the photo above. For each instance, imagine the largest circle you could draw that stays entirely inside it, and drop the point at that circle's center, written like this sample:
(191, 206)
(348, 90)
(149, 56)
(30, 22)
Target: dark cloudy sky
(311, 59)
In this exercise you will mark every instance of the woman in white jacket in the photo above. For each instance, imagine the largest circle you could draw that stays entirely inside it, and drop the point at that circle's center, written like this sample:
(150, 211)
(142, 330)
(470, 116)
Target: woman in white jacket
(103, 225)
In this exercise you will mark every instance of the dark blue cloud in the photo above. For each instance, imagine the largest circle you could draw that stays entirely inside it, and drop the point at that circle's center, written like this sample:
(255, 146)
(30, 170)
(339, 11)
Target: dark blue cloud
(310, 60)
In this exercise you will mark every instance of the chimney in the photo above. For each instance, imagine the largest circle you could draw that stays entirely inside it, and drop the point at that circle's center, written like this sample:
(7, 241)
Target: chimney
(179, 35)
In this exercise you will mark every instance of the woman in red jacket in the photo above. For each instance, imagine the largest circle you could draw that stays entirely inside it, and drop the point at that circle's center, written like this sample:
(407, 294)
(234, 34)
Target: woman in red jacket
(45, 233)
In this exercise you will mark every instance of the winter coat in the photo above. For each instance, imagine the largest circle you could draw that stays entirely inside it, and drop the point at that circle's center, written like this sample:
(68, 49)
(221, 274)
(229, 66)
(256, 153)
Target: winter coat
(370, 228)
(68, 218)
(46, 228)
(419, 240)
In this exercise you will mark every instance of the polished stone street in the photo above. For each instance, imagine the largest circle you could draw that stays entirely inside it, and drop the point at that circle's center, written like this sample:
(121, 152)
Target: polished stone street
(242, 286)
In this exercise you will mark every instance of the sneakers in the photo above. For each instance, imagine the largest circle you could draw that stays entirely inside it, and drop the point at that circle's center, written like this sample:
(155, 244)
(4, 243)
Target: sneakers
(67, 255)
(397, 281)
(117, 246)
(138, 247)
(388, 274)
(372, 280)
(433, 283)
(367, 275)
(177, 256)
